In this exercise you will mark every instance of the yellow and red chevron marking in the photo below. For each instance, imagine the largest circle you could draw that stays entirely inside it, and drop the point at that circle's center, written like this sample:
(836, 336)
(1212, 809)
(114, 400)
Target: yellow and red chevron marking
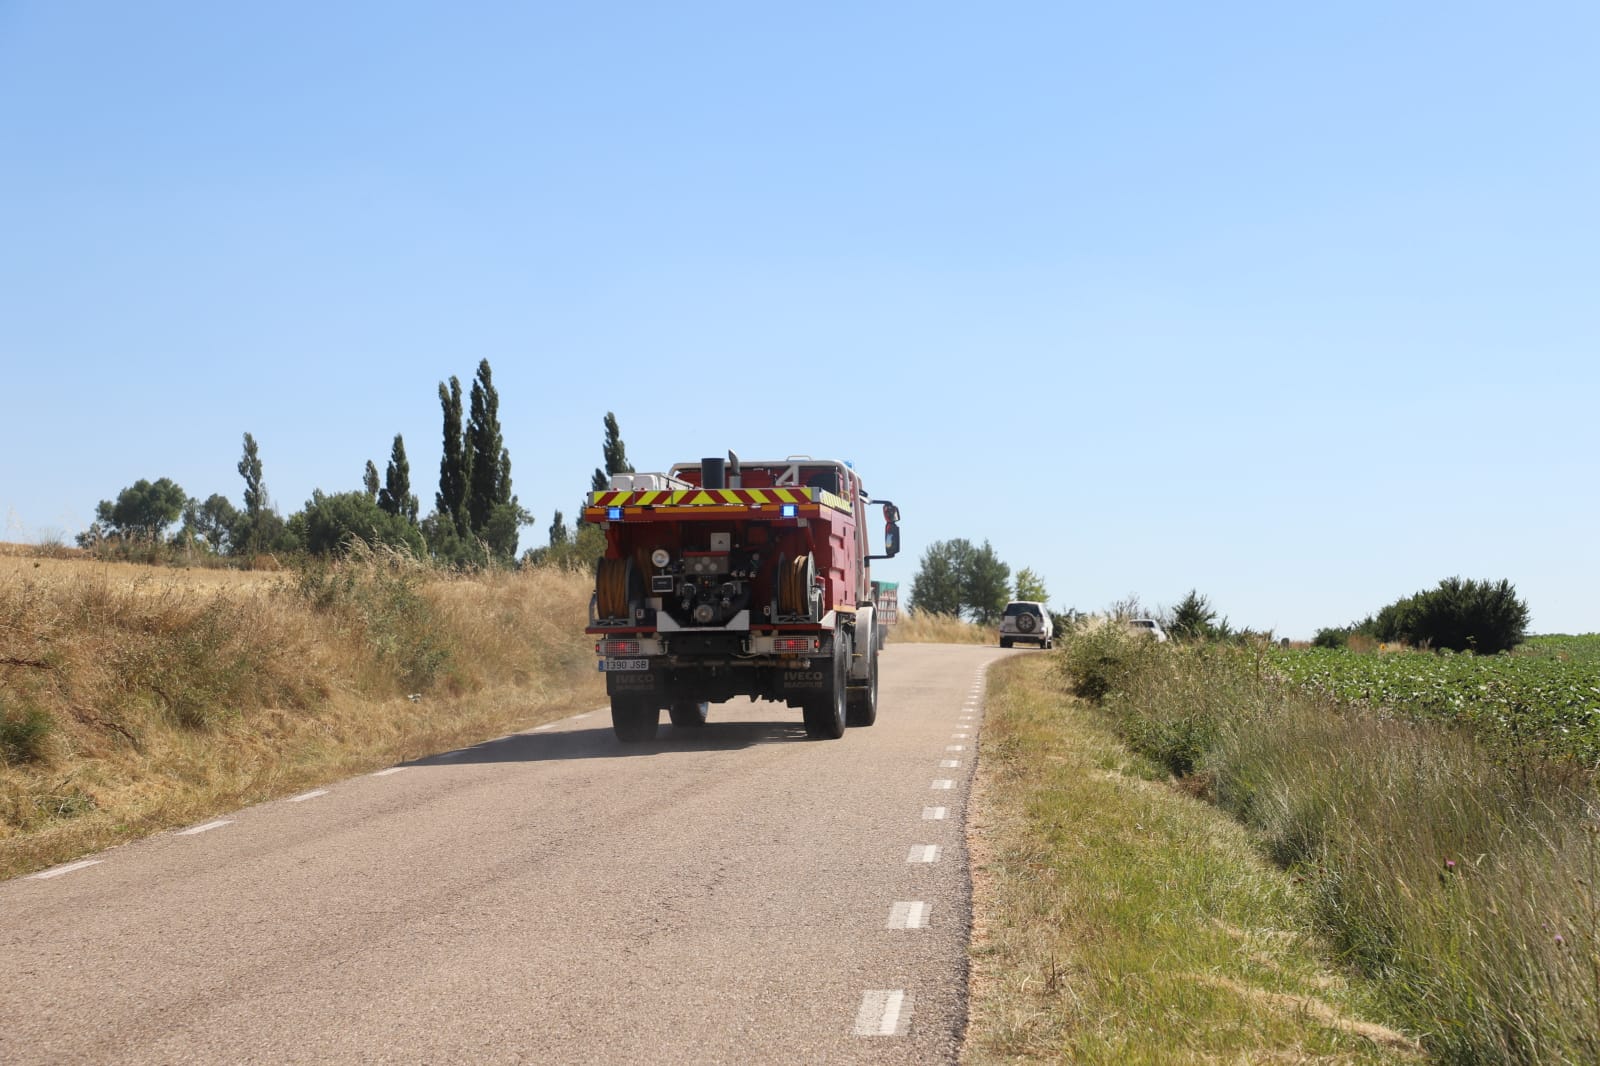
(705, 497)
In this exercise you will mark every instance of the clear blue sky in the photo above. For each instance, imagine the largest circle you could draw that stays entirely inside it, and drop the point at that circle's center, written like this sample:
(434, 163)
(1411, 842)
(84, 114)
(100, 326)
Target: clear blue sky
(1294, 304)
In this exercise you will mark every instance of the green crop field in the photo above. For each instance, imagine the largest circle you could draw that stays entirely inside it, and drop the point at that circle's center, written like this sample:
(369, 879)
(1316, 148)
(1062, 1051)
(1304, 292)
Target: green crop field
(1542, 699)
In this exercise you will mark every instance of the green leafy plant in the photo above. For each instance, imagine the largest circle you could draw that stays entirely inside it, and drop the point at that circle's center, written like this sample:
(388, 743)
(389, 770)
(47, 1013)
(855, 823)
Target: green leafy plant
(24, 731)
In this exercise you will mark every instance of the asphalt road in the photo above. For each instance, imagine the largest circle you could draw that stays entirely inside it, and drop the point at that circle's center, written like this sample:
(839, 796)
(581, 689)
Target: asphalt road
(737, 895)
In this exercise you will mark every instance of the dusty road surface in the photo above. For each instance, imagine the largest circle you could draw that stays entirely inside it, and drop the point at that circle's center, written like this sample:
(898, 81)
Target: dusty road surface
(737, 895)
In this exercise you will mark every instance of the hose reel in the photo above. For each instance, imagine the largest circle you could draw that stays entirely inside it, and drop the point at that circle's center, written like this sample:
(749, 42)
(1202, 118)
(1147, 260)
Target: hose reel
(797, 587)
(618, 589)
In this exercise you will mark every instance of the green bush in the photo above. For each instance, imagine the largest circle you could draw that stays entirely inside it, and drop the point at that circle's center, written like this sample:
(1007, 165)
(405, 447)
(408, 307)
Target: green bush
(1098, 659)
(1478, 616)
(1332, 637)
(24, 731)
(381, 598)
(332, 524)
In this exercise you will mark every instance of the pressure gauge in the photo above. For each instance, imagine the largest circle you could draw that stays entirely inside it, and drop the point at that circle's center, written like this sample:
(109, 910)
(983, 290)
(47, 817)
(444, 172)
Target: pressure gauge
(660, 557)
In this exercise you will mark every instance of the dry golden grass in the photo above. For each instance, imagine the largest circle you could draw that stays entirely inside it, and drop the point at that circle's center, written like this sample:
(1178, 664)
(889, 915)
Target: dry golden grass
(919, 627)
(168, 694)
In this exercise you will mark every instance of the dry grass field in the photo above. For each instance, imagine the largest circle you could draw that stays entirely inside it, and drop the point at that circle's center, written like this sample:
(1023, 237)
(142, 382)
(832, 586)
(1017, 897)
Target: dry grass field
(134, 698)
(918, 627)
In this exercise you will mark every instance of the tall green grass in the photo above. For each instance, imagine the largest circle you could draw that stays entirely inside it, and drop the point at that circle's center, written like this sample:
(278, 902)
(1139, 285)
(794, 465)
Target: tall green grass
(1466, 883)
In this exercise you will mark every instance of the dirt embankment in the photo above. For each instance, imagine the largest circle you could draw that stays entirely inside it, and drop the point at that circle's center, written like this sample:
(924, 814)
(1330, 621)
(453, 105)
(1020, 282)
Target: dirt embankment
(134, 697)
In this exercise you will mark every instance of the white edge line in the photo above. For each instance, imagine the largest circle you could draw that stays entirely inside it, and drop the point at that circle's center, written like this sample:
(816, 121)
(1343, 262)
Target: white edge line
(67, 869)
(313, 794)
(390, 770)
(206, 828)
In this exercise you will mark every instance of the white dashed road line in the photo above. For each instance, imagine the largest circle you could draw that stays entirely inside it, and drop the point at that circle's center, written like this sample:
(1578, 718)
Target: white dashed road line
(923, 853)
(949, 764)
(933, 814)
(955, 747)
(67, 869)
(313, 794)
(198, 829)
(909, 915)
(884, 1012)
(943, 784)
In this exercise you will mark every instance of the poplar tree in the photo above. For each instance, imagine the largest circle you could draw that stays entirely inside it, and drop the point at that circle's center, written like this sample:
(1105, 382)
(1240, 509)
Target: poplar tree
(369, 481)
(615, 453)
(255, 491)
(488, 462)
(454, 466)
(395, 496)
(258, 528)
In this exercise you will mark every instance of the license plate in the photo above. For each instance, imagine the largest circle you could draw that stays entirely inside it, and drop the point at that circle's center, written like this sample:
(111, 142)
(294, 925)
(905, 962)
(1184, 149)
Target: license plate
(611, 666)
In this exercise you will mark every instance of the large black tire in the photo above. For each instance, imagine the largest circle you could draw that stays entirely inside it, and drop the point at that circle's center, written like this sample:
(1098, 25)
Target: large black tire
(861, 704)
(687, 714)
(634, 721)
(825, 712)
(1005, 642)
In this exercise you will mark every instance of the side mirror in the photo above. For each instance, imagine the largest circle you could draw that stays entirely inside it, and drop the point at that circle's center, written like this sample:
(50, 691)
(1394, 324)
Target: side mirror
(891, 531)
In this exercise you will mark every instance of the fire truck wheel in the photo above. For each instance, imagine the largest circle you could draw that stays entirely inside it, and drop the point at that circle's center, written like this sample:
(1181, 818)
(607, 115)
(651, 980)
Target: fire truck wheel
(634, 721)
(687, 714)
(862, 706)
(825, 712)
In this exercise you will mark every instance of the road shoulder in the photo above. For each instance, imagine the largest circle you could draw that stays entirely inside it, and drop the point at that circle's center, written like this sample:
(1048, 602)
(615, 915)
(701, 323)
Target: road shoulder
(1119, 919)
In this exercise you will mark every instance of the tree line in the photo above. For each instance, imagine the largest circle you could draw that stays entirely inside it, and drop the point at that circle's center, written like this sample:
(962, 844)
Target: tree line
(476, 518)
(963, 580)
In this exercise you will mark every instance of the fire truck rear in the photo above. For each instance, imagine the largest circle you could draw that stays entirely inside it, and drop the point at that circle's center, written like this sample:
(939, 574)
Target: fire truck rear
(724, 578)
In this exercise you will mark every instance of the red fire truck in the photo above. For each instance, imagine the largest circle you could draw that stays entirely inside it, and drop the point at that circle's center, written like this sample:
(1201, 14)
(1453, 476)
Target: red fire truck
(726, 578)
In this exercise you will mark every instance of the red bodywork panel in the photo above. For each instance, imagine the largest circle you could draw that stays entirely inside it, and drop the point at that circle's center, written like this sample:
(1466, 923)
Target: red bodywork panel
(778, 510)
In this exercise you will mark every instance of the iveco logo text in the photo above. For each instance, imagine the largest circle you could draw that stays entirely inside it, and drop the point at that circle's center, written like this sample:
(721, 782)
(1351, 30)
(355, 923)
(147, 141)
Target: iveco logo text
(802, 675)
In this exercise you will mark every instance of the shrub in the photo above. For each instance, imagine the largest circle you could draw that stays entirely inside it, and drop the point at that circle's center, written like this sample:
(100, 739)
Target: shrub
(23, 733)
(1099, 658)
(1331, 637)
(334, 523)
(380, 597)
(1193, 618)
(1478, 616)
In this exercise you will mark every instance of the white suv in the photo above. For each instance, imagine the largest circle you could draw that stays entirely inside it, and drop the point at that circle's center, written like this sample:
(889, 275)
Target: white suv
(1148, 627)
(1028, 622)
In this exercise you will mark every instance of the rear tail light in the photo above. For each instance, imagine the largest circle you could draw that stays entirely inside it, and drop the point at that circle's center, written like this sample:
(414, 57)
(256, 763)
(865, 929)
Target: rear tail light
(796, 644)
(620, 647)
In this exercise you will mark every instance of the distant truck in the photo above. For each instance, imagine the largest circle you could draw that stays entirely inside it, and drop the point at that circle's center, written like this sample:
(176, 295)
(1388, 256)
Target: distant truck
(726, 578)
(886, 594)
